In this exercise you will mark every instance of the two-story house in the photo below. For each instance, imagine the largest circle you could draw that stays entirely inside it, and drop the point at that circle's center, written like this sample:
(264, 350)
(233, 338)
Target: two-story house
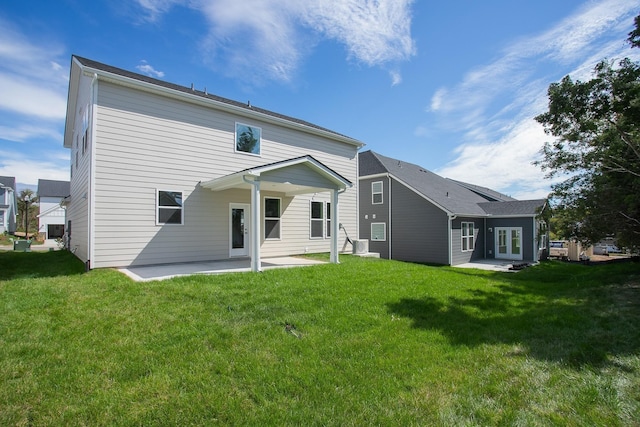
(163, 173)
(51, 217)
(8, 204)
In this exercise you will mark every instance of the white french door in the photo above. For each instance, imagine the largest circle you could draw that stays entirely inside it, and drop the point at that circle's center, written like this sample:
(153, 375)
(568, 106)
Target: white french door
(239, 236)
(509, 243)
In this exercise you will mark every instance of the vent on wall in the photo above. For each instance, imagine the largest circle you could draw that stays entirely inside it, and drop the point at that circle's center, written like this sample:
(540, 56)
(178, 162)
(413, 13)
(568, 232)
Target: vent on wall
(360, 247)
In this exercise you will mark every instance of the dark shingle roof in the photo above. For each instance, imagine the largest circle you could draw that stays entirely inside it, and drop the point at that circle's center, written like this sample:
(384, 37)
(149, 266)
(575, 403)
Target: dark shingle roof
(513, 208)
(49, 188)
(8, 181)
(487, 193)
(445, 193)
(450, 195)
(140, 77)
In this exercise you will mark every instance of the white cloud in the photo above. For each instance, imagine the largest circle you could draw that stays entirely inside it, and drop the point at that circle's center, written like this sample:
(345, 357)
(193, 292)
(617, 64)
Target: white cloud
(493, 107)
(27, 170)
(396, 78)
(279, 33)
(22, 132)
(145, 68)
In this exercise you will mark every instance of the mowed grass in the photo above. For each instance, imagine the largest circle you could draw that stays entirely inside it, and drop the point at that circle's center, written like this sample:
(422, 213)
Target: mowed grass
(366, 342)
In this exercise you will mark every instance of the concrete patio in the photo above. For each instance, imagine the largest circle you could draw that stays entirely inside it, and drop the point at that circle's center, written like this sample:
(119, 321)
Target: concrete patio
(495, 265)
(168, 271)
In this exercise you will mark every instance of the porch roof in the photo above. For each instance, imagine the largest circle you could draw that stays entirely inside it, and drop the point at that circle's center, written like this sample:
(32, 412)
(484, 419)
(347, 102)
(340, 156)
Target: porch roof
(291, 184)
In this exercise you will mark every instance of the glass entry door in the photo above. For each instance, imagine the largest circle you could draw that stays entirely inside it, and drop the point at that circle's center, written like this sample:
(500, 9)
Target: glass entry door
(239, 237)
(509, 243)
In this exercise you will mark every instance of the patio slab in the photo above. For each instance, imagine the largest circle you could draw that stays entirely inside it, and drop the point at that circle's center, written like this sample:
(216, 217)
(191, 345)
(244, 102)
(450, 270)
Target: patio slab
(495, 265)
(167, 271)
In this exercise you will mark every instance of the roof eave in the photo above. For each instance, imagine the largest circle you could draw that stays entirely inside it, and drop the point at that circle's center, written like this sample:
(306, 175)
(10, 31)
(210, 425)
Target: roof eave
(198, 99)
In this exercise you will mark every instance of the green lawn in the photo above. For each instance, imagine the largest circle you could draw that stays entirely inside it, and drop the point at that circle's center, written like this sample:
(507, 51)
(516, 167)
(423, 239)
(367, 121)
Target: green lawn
(366, 342)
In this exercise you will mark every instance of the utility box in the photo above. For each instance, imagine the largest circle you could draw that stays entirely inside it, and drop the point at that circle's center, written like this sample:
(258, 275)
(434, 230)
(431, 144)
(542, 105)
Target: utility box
(22, 245)
(360, 247)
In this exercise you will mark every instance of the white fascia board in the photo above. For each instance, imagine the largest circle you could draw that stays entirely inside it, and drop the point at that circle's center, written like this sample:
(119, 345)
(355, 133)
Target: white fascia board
(374, 176)
(197, 99)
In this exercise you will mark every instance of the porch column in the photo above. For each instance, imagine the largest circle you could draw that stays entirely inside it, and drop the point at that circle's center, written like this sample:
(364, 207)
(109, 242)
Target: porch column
(256, 264)
(335, 224)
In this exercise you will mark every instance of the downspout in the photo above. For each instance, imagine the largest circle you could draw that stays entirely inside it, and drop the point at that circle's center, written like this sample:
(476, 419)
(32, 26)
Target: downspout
(390, 222)
(256, 264)
(91, 172)
(450, 217)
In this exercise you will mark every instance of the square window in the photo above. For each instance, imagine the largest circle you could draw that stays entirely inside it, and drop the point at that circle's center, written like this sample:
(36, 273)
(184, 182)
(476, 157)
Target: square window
(248, 139)
(169, 207)
(378, 231)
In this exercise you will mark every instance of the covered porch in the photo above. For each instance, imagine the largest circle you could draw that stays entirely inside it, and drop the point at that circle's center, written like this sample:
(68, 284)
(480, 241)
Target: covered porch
(290, 178)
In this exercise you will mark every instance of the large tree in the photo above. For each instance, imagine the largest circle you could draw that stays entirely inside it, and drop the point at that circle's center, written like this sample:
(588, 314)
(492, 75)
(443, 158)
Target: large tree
(597, 148)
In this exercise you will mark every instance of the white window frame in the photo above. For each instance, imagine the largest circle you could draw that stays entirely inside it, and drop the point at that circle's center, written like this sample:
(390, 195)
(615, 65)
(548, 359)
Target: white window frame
(384, 232)
(316, 220)
(374, 193)
(270, 218)
(158, 207)
(327, 220)
(468, 238)
(235, 139)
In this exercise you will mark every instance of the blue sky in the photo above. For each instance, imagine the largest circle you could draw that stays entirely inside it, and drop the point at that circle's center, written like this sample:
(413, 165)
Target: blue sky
(451, 86)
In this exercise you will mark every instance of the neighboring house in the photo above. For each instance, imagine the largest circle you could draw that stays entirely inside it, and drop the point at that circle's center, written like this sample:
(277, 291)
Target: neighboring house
(162, 173)
(409, 213)
(8, 204)
(51, 218)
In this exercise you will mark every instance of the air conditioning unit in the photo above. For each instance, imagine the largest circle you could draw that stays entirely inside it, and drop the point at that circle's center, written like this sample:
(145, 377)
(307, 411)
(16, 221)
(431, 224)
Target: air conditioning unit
(360, 247)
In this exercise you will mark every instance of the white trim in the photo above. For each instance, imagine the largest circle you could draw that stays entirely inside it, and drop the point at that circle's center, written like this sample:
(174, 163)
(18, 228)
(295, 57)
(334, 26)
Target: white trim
(374, 176)
(182, 198)
(381, 192)
(265, 218)
(322, 220)
(246, 249)
(384, 225)
(390, 219)
(509, 255)
(463, 237)
(235, 139)
(93, 135)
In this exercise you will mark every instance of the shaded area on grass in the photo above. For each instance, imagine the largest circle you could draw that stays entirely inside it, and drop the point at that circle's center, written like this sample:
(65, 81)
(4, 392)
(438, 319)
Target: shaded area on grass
(24, 265)
(554, 313)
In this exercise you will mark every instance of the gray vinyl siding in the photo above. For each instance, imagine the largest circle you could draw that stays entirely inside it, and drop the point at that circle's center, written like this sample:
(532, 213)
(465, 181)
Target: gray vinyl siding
(528, 236)
(78, 211)
(457, 255)
(419, 228)
(146, 143)
(378, 213)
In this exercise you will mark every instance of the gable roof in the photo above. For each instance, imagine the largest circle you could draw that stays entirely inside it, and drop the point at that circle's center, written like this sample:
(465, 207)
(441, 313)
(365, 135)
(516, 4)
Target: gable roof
(50, 188)
(454, 197)
(107, 71)
(449, 196)
(8, 181)
(237, 179)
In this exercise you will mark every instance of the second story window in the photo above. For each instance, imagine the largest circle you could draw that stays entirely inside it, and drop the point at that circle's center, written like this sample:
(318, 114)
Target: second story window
(376, 193)
(248, 139)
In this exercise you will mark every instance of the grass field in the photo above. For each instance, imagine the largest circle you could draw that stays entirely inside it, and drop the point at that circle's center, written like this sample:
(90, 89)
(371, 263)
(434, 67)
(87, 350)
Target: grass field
(366, 342)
